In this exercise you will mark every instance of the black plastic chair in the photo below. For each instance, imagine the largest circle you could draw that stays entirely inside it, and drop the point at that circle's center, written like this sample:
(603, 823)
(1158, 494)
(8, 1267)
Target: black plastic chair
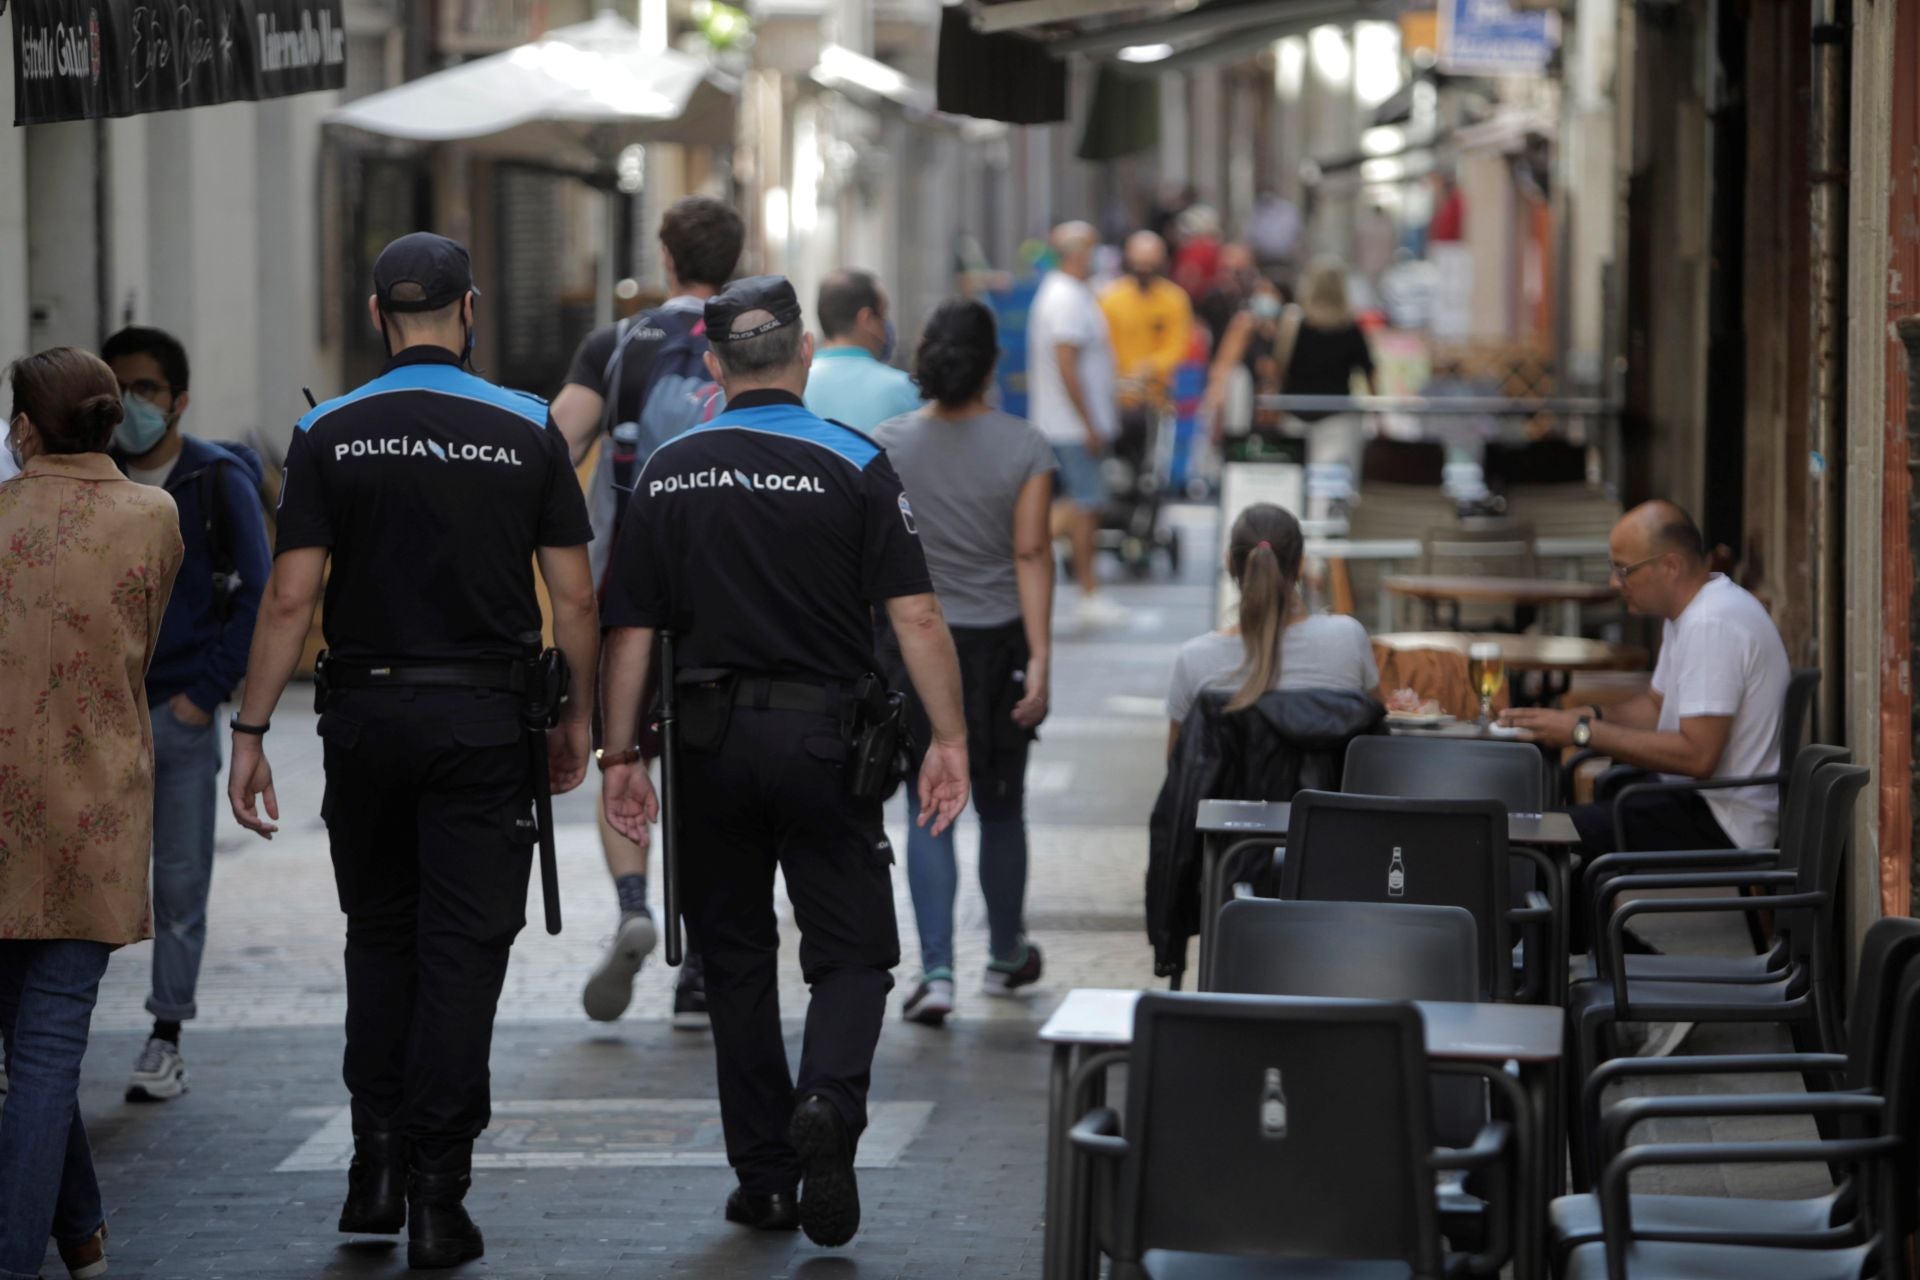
(1514, 773)
(1450, 853)
(1367, 951)
(1803, 996)
(1273, 1138)
(1880, 1149)
(1447, 769)
(1888, 953)
(1799, 827)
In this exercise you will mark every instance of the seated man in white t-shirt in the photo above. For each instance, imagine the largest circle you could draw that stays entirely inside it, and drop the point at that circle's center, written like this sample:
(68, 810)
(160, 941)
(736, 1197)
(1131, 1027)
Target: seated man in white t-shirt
(1714, 708)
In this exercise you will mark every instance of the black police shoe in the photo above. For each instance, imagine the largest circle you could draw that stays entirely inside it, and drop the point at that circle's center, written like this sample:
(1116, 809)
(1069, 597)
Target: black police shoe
(776, 1212)
(829, 1193)
(439, 1232)
(690, 996)
(376, 1184)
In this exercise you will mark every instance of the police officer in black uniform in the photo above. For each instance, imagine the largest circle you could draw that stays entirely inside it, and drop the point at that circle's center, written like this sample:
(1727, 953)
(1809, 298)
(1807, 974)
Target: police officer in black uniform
(765, 540)
(432, 491)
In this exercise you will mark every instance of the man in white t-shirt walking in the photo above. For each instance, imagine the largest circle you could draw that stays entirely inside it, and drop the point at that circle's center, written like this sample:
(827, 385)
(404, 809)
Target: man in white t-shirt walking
(1070, 397)
(1714, 707)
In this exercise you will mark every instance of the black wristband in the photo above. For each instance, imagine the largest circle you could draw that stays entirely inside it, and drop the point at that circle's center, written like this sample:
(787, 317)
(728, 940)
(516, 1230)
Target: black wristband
(257, 730)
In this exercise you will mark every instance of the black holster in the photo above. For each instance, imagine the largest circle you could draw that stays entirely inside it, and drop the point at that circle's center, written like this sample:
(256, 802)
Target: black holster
(873, 723)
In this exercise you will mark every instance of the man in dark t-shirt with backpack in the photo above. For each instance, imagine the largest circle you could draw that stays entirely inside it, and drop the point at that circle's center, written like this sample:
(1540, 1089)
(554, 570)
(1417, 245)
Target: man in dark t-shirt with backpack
(633, 386)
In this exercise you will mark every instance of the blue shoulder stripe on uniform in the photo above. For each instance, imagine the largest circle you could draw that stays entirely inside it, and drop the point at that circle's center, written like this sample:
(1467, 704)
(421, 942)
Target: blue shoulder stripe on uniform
(443, 379)
(796, 423)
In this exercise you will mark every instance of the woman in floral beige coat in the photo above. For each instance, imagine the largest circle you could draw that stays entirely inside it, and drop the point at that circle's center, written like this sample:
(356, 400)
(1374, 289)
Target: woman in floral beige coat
(87, 559)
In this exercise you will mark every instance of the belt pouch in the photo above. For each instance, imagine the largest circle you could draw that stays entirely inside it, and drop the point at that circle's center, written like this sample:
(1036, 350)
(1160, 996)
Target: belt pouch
(705, 706)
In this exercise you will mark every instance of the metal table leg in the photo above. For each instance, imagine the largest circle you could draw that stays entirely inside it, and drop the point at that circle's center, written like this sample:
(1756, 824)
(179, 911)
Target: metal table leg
(1058, 1153)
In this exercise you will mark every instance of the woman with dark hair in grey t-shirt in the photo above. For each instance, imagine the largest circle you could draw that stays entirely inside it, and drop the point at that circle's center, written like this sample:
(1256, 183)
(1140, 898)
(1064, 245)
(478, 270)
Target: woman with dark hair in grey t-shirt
(981, 484)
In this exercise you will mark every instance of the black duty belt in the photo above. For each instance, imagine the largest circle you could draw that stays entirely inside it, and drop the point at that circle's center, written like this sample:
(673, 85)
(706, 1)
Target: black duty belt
(769, 694)
(504, 675)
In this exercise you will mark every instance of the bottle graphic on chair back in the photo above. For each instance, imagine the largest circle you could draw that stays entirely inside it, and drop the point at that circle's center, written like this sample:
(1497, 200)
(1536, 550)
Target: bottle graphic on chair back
(1273, 1107)
(1397, 875)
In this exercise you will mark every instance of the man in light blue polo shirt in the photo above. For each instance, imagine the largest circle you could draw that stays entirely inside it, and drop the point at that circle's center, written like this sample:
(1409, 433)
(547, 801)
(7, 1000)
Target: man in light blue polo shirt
(851, 381)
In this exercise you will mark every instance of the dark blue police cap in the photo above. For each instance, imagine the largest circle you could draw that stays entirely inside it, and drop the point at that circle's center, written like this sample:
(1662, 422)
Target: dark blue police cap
(771, 294)
(438, 265)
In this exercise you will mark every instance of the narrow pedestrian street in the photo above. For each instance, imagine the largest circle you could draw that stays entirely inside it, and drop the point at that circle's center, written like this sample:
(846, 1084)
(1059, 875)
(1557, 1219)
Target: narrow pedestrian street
(604, 1157)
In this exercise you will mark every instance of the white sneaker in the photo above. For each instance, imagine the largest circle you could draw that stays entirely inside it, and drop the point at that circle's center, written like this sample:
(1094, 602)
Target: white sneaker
(1661, 1039)
(160, 1074)
(610, 990)
(931, 1002)
(1097, 611)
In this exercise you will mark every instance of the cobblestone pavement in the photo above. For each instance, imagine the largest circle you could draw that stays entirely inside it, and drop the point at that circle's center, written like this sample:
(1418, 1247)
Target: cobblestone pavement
(604, 1157)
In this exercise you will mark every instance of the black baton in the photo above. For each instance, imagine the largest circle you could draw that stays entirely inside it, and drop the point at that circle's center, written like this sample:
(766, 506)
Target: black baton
(669, 812)
(543, 814)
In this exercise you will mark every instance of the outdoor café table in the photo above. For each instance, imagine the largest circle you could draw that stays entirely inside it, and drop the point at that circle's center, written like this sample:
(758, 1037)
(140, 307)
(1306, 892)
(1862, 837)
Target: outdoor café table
(1550, 656)
(1523, 595)
(1090, 1023)
(1225, 824)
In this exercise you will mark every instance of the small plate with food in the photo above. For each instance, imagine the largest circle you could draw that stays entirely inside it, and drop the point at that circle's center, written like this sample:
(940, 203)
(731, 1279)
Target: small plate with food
(1408, 710)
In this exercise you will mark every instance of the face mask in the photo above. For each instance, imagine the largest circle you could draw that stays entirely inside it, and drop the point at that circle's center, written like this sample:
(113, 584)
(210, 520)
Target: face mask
(887, 343)
(1265, 306)
(141, 428)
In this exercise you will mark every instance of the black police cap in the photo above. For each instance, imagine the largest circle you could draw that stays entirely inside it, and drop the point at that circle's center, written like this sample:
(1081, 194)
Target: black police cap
(439, 266)
(771, 294)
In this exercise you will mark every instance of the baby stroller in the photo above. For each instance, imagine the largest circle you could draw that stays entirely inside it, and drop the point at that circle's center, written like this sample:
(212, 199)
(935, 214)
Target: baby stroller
(1138, 474)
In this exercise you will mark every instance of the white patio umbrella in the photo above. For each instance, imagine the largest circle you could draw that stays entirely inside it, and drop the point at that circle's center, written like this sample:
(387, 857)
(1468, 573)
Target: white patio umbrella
(576, 98)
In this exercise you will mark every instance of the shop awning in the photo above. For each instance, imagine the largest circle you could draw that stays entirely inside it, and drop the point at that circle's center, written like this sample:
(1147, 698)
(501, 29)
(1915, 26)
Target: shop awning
(980, 39)
(74, 61)
(574, 98)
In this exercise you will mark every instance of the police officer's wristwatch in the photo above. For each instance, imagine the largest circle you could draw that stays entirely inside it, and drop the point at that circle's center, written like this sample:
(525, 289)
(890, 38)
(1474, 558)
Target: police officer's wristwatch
(608, 759)
(1583, 732)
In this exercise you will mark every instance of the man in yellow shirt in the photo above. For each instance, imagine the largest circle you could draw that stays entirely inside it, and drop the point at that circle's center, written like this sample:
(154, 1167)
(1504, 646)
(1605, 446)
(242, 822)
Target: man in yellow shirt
(1151, 320)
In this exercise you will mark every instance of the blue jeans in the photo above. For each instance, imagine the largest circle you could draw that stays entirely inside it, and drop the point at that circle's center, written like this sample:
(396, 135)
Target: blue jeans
(186, 784)
(47, 1187)
(933, 876)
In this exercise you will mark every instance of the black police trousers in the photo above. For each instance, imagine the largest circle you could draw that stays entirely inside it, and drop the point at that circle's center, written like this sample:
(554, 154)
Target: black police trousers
(773, 795)
(429, 812)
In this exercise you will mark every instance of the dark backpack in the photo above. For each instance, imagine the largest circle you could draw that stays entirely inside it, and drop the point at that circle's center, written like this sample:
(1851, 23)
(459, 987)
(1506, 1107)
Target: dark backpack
(679, 394)
(217, 522)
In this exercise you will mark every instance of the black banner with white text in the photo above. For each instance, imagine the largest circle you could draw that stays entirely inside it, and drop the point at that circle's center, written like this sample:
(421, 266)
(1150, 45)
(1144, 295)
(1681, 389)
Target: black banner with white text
(80, 59)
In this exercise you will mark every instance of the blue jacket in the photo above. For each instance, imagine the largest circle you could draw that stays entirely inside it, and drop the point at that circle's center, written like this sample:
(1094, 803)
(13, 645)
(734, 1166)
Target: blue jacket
(197, 654)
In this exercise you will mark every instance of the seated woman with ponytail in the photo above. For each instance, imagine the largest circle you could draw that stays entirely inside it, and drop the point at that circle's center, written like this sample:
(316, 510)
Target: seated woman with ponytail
(1259, 712)
(1277, 644)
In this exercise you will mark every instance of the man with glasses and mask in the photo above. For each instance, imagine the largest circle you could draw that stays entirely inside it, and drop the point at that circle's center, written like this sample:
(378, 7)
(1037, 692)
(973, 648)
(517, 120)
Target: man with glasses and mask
(200, 657)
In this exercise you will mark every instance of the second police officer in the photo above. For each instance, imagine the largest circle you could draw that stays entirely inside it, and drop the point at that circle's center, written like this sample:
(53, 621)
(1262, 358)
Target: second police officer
(764, 541)
(432, 492)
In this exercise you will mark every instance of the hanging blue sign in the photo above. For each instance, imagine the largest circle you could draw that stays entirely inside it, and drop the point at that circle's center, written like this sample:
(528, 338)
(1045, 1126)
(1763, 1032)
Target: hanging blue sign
(1488, 38)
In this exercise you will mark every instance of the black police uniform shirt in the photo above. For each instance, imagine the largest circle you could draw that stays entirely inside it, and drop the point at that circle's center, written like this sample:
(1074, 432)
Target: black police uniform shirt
(643, 338)
(764, 539)
(431, 488)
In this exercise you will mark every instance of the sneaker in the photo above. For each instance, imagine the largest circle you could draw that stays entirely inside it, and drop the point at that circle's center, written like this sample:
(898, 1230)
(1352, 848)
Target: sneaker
(1659, 1039)
(931, 1001)
(610, 990)
(1004, 978)
(88, 1258)
(160, 1074)
(1098, 611)
(690, 996)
